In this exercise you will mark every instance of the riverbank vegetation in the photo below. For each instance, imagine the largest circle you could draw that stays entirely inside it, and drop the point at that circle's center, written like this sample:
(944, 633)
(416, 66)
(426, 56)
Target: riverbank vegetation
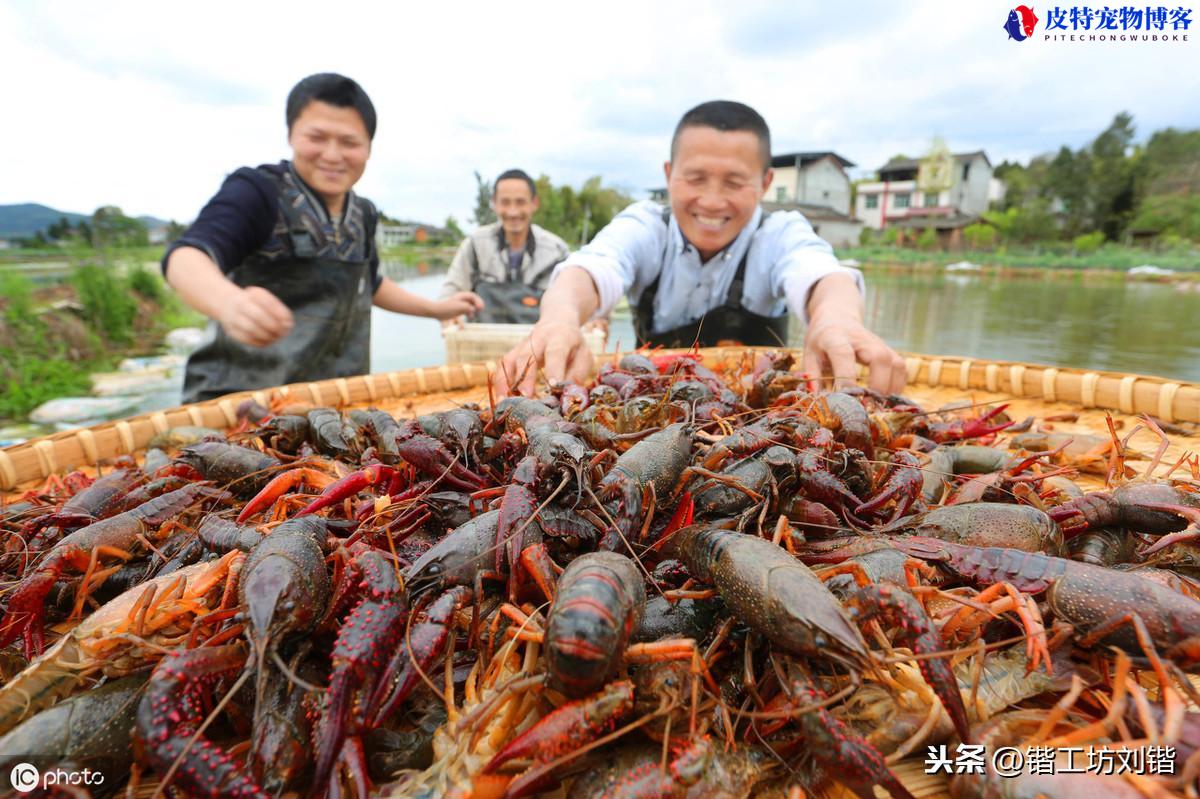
(1182, 257)
(53, 336)
(1111, 204)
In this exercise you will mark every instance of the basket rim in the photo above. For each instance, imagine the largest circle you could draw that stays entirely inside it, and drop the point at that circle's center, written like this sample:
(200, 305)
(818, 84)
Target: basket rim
(1127, 393)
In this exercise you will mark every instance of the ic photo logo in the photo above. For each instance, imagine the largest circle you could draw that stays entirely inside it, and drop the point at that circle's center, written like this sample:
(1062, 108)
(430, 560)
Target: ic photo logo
(1020, 23)
(24, 777)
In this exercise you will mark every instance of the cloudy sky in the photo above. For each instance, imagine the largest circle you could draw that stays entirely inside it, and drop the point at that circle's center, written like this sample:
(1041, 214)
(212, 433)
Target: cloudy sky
(149, 105)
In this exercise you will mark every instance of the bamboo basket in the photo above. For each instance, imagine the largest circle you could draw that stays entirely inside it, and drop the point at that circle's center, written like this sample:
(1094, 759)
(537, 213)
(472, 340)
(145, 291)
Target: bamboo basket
(1030, 389)
(933, 381)
(485, 342)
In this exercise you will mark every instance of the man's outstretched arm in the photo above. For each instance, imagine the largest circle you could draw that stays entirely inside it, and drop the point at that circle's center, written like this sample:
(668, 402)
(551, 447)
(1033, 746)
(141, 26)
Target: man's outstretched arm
(555, 345)
(836, 339)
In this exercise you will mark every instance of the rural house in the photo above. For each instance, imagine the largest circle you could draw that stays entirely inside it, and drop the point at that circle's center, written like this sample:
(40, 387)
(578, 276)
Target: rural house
(941, 191)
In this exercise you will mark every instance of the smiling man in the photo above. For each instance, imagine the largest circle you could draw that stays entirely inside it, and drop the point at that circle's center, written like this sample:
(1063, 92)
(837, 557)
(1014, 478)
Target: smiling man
(507, 263)
(282, 259)
(710, 268)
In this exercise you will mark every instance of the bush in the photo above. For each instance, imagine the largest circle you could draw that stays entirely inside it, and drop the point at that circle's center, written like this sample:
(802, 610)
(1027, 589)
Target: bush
(865, 237)
(928, 240)
(146, 283)
(1169, 213)
(17, 292)
(1087, 243)
(33, 379)
(107, 304)
(890, 236)
(980, 236)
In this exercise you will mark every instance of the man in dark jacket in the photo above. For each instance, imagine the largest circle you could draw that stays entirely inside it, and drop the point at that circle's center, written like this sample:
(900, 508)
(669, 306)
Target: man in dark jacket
(282, 259)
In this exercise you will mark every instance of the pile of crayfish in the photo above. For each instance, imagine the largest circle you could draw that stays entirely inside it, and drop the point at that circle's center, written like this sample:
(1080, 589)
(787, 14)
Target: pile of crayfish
(673, 581)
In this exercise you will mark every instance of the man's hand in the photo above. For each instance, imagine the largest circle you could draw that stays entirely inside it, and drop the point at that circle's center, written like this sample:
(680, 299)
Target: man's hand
(556, 347)
(834, 344)
(256, 317)
(461, 303)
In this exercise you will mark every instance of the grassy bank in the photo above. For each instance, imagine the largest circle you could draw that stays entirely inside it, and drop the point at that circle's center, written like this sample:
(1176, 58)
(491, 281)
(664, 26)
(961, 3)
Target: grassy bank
(53, 337)
(82, 255)
(1114, 257)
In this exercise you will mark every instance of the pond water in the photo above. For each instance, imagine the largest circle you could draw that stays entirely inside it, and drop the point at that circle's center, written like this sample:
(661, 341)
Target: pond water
(1060, 319)
(1109, 324)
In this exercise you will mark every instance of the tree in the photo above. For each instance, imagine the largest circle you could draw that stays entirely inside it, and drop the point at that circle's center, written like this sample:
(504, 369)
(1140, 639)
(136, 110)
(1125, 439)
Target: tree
(111, 228)
(59, 230)
(577, 215)
(1171, 163)
(453, 229)
(1169, 214)
(980, 236)
(1114, 177)
(1068, 178)
(484, 215)
(1016, 183)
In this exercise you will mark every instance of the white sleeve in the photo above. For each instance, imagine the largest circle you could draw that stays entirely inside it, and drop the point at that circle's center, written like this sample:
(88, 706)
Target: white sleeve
(627, 251)
(803, 259)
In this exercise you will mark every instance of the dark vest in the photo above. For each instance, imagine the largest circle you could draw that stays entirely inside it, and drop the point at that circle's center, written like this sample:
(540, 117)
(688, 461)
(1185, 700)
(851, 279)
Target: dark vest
(323, 276)
(728, 323)
(509, 302)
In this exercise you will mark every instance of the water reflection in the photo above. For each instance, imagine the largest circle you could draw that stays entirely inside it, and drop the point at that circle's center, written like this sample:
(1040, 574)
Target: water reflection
(1111, 325)
(1067, 321)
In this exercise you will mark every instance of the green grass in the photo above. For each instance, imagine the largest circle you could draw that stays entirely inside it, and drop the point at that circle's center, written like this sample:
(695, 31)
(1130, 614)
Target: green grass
(146, 283)
(17, 291)
(107, 304)
(174, 314)
(34, 368)
(1049, 256)
(32, 378)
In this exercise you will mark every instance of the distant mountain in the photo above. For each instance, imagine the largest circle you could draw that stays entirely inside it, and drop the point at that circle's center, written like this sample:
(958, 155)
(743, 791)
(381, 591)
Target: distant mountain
(25, 219)
(152, 222)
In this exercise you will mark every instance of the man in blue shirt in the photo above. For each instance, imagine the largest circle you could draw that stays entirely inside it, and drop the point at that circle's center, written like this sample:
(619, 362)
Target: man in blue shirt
(710, 268)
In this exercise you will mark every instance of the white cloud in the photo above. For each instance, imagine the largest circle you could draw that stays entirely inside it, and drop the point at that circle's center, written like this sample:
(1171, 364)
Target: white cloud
(148, 105)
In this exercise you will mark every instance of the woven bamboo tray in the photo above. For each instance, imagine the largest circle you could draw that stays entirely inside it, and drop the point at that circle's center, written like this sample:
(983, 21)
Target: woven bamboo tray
(933, 381)
(472, 343)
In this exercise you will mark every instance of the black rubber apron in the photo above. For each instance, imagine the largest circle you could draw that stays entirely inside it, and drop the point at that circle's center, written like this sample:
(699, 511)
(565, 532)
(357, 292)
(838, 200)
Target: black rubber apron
(728, 323)
(510, 302)
(330, 300)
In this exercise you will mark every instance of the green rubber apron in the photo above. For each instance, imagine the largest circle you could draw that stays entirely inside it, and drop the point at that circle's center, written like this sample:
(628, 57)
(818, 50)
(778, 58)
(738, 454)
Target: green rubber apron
(330, 300)
(728, 323)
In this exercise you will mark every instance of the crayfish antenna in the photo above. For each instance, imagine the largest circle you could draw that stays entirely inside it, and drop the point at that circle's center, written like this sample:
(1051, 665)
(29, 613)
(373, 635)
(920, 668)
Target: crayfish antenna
(1163, 443)
(1116, 456)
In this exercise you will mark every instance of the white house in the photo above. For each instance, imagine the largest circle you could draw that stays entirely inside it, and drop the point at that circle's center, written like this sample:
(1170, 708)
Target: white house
(942, 191)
